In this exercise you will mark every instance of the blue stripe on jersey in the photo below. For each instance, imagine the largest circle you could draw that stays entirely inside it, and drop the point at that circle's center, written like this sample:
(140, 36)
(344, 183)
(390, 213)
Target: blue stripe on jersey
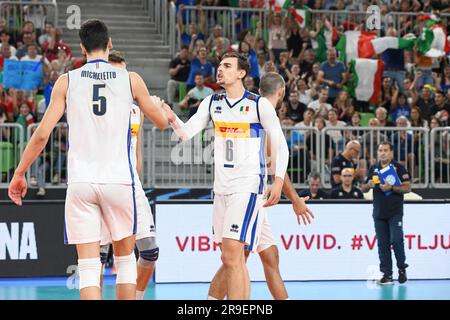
(98, 60)
(66, 240)
(132, 175)
(262, 163)
(257, 108)
(252, 241)
(256, 130)
(248, 216)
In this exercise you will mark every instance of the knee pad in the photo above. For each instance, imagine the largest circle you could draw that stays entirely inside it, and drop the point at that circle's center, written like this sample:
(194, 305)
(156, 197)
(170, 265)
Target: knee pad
(148, 250)
(89, 271)
(104, 250)
(126, 269)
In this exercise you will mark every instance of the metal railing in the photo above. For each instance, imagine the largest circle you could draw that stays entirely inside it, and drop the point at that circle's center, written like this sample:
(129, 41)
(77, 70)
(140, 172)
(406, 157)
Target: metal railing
(171, 163)
(162, 13)
(440, 157)
(49, 170)
(11, 144)
(14, 12)
(411, 147)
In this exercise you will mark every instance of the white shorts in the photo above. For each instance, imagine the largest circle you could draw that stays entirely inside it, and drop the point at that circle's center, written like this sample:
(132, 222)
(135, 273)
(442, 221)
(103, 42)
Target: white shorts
(235, 216)
(145, 222)
(88, 203)
(264, 236)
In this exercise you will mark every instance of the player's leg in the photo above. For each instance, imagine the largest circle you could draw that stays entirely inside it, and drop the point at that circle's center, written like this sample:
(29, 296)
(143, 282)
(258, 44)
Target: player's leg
(148, 254)
(218, 286)
(246, 278)
(145, 242)
(82, 228)
(232, 260)
(119, 213)
(125, 262)
(270, 260)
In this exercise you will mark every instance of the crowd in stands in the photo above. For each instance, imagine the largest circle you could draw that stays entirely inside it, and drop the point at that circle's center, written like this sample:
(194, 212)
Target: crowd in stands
(415, 89)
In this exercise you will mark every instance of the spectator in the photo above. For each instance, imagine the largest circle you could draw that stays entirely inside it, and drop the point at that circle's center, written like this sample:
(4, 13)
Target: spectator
(284, 66)
(394, 63)
(314, 191)
(346, 190)
(423, 67)
(51, 48)
(295, 107)
(370, 141)
(194, 30)
(444, 84)
(282, 114)
(48, 87)
(243, 19)
(319, 123)
(5, 42)
(196, 95)
(399, 105)
(344, 107)
(382, 115)
(403, 145)
(246, 49)
(201, 65)
(249, 84)
(305, 94)
(320, 106)
(306, 64)
(261, 62)
(35, 14)
(25, 118)
(45, 37)
(16, 100)
(313, 80)
(424, 102)
(62, 63)
(294, 75)
(307, 122)
(386, 93)
(269, 66)
(354, 122)
(278, 32)
(417, 119)
(294, 39)
(332, 74)
(215, 55)
(6, 54)
(27, 39)
(179, 69)
(441, 109)
(441, 153)
(335, 135)
(216, 34)
(346, 159)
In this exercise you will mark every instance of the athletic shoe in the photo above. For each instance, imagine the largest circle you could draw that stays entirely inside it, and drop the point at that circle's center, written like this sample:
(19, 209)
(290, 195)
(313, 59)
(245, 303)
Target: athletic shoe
(41, 192)
(33, 182)
(386, 281)
(402, 276)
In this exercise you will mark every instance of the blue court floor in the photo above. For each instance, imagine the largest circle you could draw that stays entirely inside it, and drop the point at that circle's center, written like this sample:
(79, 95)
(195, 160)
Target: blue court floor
(62, 289)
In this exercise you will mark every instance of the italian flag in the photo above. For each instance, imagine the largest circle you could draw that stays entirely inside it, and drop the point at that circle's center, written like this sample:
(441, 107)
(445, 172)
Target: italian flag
(433, 42)
(325, 38)
(301, 15)
(365, 84)
(357, 44)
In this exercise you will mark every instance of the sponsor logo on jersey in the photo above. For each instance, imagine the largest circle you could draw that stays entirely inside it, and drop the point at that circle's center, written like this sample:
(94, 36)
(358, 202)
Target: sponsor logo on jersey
(234, 228)
(218, 109)
(232, 129)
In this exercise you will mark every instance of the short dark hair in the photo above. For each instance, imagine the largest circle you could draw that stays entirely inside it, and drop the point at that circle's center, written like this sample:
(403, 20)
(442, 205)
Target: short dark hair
(199, 74)
(386, 143)
(184, 47)
(440, 92)
(116, 56)
(313, 175)
(242, 61)
(94, 35)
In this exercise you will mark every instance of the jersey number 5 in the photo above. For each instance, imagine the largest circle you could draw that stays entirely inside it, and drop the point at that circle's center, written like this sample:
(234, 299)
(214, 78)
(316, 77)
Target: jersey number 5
(99, 105)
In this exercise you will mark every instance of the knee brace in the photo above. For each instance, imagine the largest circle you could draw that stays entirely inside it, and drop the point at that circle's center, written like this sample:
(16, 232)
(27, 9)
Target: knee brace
(104, 250)
(148, 251)
(89, 271)
(126, 269)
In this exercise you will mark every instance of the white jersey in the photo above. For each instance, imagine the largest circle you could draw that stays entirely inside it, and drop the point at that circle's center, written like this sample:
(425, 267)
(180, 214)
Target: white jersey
(99, 101)
(240, 134)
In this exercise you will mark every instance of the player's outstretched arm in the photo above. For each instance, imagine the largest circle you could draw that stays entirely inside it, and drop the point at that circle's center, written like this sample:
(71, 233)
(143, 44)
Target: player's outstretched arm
(194, 125)
(278, 149)
(147, 104)
(18, 185)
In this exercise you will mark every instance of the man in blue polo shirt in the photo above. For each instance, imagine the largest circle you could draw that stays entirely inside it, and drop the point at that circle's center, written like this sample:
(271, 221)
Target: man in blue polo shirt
(388, 213)
(332, 75)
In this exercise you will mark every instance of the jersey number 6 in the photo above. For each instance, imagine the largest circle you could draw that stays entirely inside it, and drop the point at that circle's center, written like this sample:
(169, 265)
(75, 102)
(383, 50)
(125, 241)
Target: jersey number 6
(99, 108)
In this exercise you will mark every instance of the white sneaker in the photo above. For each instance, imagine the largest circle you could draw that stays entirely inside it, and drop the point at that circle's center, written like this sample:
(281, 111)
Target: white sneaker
(33, 182)
(41, 192)
(55, 179)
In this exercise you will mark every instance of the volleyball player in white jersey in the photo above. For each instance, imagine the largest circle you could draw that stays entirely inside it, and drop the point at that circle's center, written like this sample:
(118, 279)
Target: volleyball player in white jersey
(145, 230)
(241, 120)
(98, 98)
(272, 87)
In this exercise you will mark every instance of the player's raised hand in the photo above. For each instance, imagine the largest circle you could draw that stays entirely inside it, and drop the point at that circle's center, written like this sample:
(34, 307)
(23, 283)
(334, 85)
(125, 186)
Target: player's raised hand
(17, 189)
(302, 211)
(273, 192)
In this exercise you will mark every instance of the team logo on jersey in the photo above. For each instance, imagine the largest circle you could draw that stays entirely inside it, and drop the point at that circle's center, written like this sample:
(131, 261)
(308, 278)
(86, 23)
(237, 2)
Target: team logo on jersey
(245, 110)
(218, 109)
(234, 228)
